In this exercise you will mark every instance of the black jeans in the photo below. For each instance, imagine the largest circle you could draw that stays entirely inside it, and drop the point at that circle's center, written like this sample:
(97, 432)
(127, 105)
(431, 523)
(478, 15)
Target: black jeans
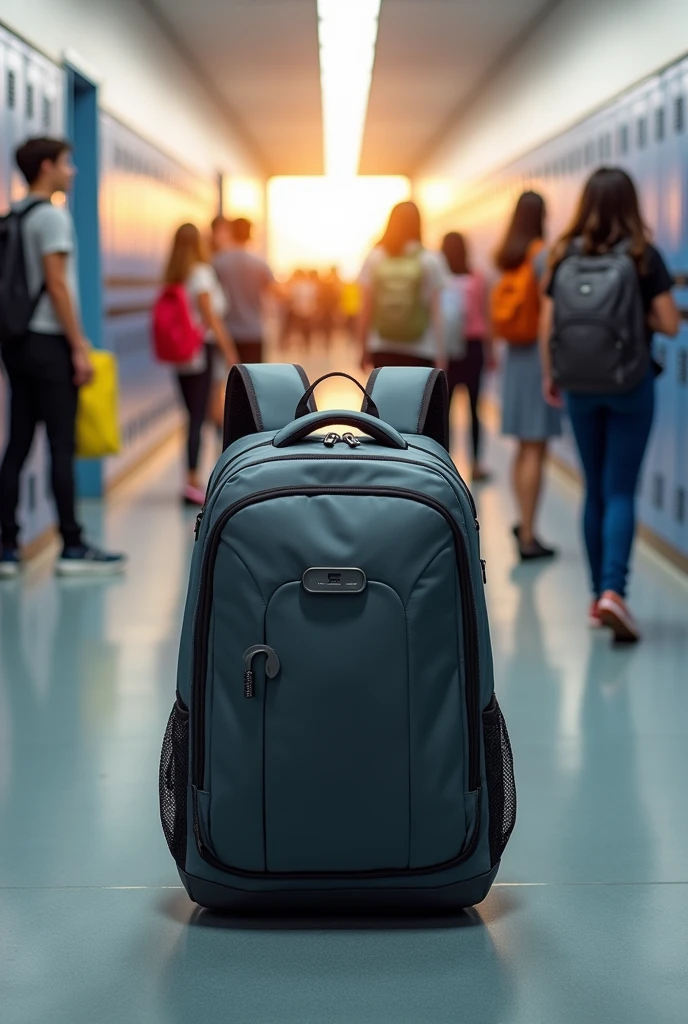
(195, 391)
(468, 371)
(42, 390)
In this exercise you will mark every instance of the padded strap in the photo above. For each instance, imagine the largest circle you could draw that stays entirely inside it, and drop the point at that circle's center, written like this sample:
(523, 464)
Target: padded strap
(413, 399)
(262, 396)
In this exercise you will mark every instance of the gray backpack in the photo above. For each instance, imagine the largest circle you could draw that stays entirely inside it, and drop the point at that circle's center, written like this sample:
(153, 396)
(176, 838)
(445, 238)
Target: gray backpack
(335, 735)
(599, 343)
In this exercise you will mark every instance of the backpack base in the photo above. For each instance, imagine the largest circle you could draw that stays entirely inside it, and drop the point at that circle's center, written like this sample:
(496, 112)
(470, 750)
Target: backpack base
(225, 899)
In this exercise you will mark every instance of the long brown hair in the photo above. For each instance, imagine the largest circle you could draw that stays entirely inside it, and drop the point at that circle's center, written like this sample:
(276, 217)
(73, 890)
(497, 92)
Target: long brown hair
(403, 226)
(608, 213)
(455, 252)
(527, 225)
(188, 248)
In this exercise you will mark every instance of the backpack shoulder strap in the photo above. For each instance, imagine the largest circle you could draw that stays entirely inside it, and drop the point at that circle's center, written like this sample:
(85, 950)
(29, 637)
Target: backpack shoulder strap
(262, 396)
(412, 399)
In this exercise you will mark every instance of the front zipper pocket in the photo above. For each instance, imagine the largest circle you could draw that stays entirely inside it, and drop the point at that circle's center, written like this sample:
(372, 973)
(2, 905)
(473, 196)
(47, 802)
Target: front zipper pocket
(333, 804)
(278, 858)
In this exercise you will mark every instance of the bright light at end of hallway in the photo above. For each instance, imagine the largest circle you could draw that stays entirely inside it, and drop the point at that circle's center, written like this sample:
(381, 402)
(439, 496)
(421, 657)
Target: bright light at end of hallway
(322, 222)
(348, 36)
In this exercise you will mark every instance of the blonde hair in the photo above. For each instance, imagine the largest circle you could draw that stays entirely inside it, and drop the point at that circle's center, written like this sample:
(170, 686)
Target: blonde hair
(188, 248)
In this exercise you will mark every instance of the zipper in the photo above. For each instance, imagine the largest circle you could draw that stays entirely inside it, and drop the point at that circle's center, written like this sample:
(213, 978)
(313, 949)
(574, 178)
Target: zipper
(468, 612)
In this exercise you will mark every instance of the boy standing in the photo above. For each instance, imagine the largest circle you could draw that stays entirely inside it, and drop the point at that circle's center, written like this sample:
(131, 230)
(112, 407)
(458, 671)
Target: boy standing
(46, 367)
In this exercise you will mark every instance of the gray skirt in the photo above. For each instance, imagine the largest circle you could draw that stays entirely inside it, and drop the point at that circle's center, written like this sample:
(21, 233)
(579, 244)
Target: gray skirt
(525, 413)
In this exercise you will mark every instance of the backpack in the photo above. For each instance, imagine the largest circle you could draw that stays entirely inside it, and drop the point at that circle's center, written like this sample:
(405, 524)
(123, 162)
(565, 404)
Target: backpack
(335, 735)
(399, 312)
(176, 337)
(599, 341)
(515, 302)
(453, 306)
(17, 305)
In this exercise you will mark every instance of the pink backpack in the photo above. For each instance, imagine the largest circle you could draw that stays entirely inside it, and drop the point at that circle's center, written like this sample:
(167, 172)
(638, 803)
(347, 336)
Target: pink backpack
(176, 338)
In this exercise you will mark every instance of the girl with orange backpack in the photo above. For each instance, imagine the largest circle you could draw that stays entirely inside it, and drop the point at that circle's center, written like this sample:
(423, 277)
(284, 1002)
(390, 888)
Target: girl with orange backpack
(515, 305)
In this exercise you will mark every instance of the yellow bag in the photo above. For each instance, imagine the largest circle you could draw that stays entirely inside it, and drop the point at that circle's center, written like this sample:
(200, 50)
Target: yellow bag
(97, 418)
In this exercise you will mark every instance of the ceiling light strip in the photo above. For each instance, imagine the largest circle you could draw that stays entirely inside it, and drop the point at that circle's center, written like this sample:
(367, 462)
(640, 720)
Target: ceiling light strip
(347, 31)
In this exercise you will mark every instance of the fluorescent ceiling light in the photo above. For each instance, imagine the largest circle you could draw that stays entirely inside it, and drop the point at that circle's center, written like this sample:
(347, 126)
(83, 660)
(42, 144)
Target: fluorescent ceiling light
(347, 31)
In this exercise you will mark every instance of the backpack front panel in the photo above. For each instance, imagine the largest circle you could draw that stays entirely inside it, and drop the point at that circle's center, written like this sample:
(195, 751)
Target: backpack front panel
(360, 744)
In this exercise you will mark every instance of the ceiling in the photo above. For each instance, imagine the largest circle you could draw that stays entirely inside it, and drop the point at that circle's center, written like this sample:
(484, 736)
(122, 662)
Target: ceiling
(261, 58)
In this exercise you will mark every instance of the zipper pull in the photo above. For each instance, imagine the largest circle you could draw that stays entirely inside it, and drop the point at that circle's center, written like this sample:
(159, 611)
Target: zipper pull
(272, 667)
(351, 440)
(199, 520)
(331, 440)
(248, 683)
(484, 568)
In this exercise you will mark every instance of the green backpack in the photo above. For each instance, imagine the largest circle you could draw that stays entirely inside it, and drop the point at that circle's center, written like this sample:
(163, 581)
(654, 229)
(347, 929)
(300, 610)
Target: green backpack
(335, 735)
(399, 311)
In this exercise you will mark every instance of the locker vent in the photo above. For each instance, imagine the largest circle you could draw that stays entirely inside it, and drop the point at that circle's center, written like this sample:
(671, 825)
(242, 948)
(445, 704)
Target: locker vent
(659, 124)
(30, 102)
(683, 366)
(11, 90)
(680, 114)
(642, 132)
(623, 139)
(658, 491)
(589, 153)
(47, 113)
(681, 505)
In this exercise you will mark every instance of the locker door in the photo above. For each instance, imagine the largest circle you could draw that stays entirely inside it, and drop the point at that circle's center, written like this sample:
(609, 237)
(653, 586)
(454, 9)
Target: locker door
(680, 509)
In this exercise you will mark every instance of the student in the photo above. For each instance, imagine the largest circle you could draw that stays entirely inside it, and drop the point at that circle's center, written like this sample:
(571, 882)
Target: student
(46, 368)
(401, 286)
(525, 414)
(188, 265)
(246, 280)
(611, 429)
(468, 369)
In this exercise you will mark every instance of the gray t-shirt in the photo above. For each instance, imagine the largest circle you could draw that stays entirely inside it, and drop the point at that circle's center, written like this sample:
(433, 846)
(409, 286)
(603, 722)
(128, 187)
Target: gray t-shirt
(48, 229)
(244, 278)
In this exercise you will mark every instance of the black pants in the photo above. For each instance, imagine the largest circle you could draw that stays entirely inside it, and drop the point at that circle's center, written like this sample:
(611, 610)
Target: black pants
(469, 371)
(195, 391)
(398, 359)
(42, 390)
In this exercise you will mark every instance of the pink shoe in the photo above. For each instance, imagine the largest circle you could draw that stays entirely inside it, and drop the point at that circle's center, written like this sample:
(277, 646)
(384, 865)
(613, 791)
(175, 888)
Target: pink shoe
(615, 614)
(193, 496)
(594, 620)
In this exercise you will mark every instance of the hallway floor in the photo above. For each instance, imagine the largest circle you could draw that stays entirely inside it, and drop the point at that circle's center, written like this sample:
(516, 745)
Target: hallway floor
(588, 921)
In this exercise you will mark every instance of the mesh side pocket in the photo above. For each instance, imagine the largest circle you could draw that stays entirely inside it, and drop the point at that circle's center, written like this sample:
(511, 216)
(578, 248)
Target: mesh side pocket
(174, 777)
(501, 787)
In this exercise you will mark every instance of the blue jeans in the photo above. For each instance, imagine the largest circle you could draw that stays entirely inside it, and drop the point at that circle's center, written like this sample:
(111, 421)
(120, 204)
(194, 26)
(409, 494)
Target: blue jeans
(611, 432)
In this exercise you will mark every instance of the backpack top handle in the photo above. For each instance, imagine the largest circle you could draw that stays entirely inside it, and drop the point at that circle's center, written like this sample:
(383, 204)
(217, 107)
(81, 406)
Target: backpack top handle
(412, 399)
(303, 408)
(262, 397)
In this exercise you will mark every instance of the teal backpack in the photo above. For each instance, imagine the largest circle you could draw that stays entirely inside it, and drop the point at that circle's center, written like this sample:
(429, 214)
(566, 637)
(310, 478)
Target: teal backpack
(336, 739)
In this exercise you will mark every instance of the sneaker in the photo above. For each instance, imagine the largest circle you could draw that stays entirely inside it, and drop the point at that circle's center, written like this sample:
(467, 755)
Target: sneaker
(10, 563)
(193, 496)
(594, 620)
(615, 614)
(89, 561)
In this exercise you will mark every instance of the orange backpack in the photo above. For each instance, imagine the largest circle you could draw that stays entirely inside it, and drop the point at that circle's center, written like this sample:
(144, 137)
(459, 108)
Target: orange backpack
(515, 302)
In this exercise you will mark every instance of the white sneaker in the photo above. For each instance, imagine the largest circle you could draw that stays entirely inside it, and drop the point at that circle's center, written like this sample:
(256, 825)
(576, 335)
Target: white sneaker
(615, 614)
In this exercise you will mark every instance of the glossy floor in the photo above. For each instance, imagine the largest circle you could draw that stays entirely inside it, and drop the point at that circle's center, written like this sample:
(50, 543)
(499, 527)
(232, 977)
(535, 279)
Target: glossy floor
(589, 921)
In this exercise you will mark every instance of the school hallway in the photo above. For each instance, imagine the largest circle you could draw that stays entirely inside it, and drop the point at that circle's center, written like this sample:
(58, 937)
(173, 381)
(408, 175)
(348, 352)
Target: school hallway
(588, 920)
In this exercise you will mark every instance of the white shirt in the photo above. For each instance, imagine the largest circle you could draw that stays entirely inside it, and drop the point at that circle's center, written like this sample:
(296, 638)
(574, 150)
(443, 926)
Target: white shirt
(204, 281)
(435, 277)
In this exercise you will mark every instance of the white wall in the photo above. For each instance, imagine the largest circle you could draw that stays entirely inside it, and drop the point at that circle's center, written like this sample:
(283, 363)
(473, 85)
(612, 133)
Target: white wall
(143, 79)
(582, 55)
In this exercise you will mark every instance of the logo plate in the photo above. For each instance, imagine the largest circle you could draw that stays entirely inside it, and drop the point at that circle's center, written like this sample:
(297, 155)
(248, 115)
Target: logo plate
(334, 581)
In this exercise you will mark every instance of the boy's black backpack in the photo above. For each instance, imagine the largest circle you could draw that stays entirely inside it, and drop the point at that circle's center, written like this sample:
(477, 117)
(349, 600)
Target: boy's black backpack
(17, 305)
(599, 342)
